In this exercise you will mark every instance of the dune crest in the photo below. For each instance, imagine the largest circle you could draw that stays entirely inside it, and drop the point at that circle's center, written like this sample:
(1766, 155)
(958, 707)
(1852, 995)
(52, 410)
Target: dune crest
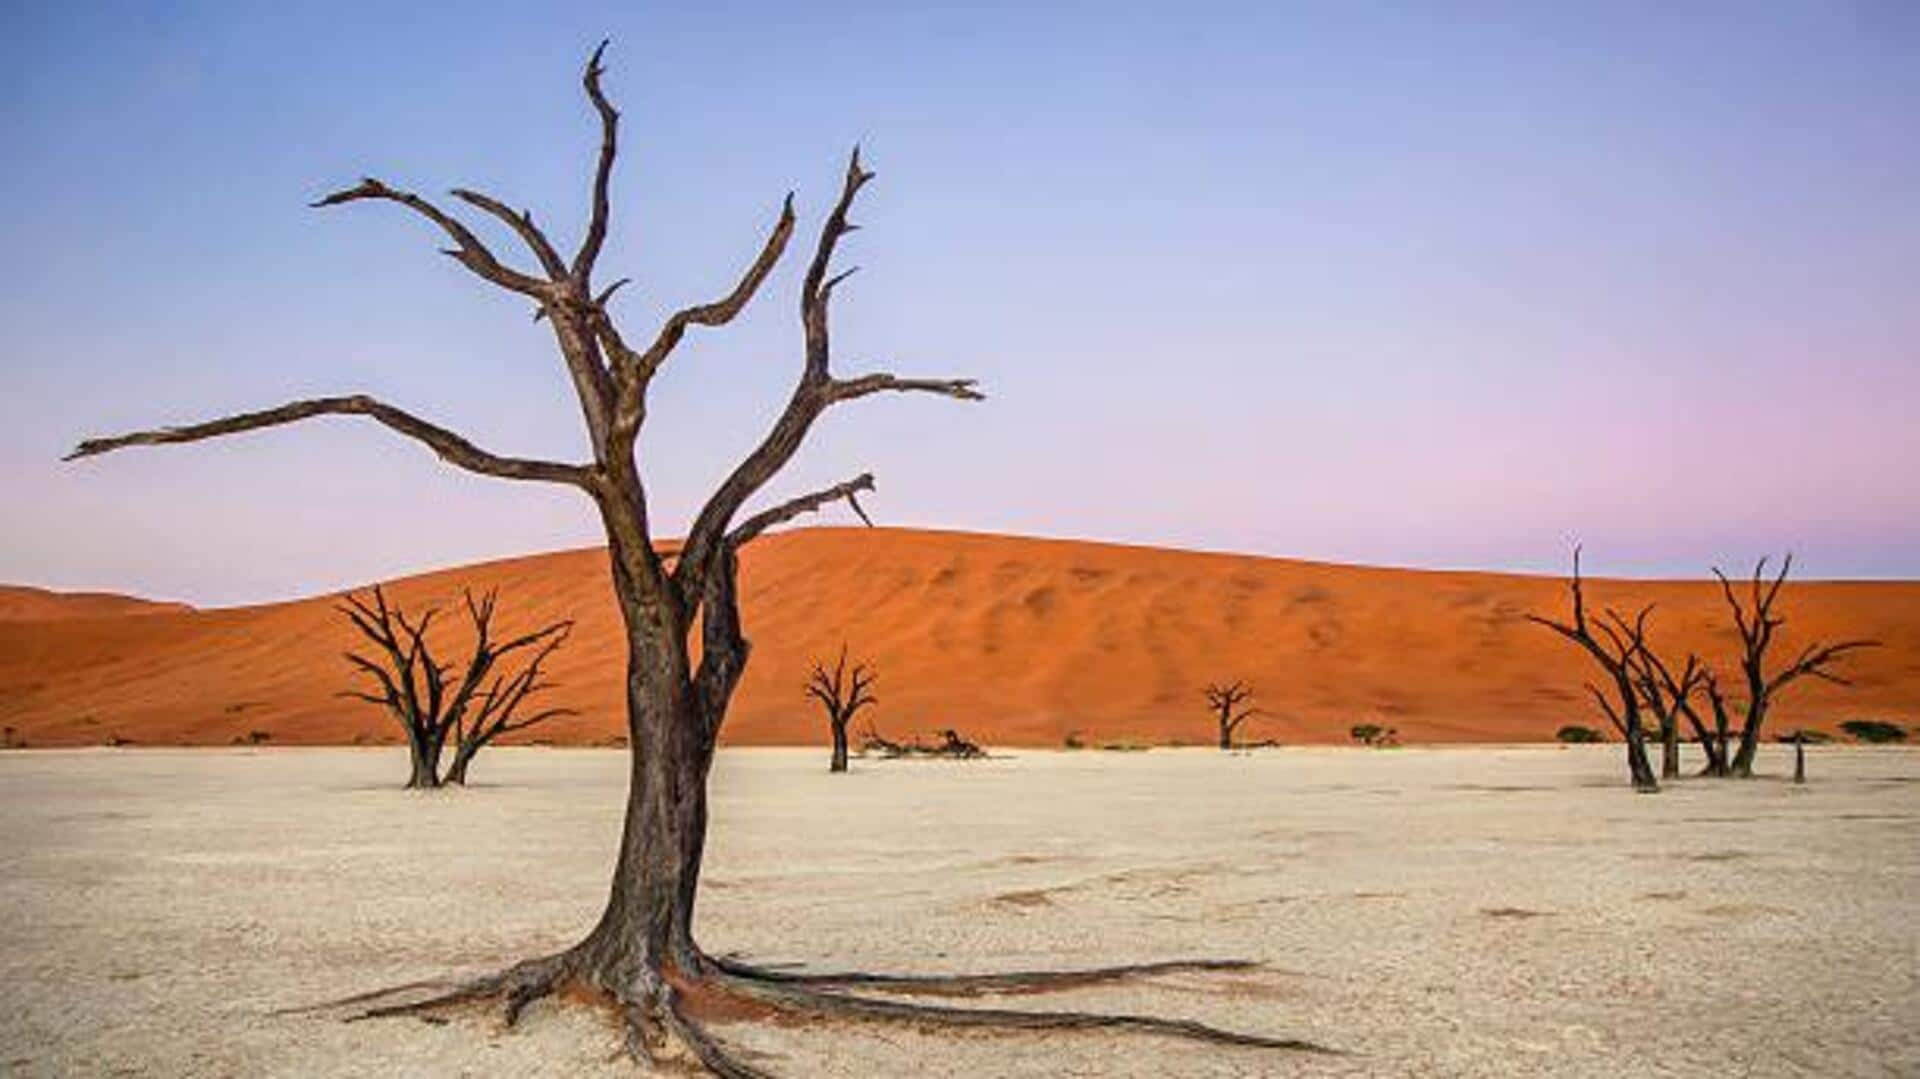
(1015, 641)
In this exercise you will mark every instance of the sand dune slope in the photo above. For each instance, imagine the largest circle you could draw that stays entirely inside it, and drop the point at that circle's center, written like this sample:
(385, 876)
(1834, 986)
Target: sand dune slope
(19, 603)
(1018, 640)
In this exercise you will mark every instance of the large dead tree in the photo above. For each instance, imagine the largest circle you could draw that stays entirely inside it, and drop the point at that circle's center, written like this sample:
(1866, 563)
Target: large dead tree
(1757, 623)
(1614, 649)
(1227, 700)
(641, 954)
(842, 693)
(484, 701)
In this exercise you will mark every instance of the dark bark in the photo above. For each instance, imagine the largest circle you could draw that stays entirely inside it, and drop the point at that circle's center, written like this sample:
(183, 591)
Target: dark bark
(1757, 622)
(842, 693)
(1613, 649)
(641, 953)
(1668, 697)
(412, 686)
(1226, 698)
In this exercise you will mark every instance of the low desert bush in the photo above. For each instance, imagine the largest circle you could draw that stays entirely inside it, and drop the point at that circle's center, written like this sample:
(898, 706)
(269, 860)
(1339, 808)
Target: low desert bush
(1874, 731)
(1375, 735)
(1574, 734)
(1806, 735)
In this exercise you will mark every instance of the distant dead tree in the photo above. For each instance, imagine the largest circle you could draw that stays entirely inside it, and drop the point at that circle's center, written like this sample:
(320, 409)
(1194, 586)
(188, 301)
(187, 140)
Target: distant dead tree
(1614, 649)
(1226, 699)
(484, 702)
(952, 745)
(956, 745)
(1756, 621)
(842, 693)
(641, 954)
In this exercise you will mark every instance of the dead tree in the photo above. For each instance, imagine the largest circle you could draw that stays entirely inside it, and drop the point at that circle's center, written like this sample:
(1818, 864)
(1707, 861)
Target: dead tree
(1669, 698)
(1756, 621)
(641, 954)
(842, 693)
(958, 746)
(497, 710)
(1613, 649)
(1226, 698)
(414, 688)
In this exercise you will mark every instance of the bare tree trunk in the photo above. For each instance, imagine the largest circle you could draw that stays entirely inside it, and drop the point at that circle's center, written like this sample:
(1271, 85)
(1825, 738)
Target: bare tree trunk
(1799, 758)
(462, 756)
(1669, 749)
(424, 751)
(1742, 764)
(644, 939)
(839, 763)
(1639, 768)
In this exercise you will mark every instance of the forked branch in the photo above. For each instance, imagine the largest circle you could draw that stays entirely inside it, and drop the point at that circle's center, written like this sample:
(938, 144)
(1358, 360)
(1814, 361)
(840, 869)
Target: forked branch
(521, 222)
(849, 492)
(468, 250)
(816, 391)
(639, 368)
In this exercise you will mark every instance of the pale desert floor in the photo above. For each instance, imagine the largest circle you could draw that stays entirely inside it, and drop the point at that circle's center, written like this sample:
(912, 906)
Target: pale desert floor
(1430, 911)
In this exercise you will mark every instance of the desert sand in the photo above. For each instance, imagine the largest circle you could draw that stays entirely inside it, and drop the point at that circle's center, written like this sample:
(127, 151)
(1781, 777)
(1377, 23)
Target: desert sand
(1441, 912)
(1016, 641)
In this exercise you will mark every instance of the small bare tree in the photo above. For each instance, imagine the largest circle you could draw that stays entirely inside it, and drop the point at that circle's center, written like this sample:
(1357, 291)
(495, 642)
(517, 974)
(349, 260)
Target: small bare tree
(1613, 648)
(1756, 621)
(1226, 699)
(470, 712)
(842, 693)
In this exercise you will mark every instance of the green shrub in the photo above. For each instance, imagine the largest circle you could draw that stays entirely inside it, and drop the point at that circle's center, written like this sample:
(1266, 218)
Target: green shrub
(1574, 734)
(1375, 735)
(1874, 731)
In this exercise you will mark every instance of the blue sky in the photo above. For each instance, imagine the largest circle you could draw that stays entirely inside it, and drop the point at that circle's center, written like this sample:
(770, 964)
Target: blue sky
(1424, 284)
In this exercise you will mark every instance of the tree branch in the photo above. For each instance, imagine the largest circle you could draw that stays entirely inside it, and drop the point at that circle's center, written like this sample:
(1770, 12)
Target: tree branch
(866, 385)
(469, 252)
(807, 503)
(721, 311)
(816, 292)
(521, 223)
(811, 396)
(451, 447)
(596, 236)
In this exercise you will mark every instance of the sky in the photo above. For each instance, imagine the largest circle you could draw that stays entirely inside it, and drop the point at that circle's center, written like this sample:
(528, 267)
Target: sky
(1425, 284)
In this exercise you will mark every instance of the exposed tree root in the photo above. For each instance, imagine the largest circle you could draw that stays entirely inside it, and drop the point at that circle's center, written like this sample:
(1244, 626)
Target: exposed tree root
(1009, 983)
(662, 1019)
(517, 987)
(847, 1006)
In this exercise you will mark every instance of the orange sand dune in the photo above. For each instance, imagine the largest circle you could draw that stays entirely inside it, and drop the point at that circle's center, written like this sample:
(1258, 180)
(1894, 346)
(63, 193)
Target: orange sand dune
(1016, 641)
(19, 603)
